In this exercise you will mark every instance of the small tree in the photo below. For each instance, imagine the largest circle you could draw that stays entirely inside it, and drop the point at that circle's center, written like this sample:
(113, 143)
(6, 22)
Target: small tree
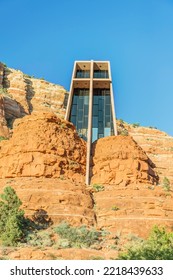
(12, 221)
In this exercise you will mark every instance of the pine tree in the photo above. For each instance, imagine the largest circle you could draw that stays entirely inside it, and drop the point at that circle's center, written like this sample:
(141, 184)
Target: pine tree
(12, 220)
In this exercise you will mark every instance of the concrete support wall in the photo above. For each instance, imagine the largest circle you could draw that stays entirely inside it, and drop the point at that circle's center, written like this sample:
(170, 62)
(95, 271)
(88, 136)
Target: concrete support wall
(112, 101)
(89, 138)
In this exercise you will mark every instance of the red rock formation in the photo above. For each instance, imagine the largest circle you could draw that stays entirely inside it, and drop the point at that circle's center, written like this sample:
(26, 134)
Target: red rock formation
(134, 209)
(158, 146)
(62, 199)
(119, 160)
(24, 94)
(43, 145)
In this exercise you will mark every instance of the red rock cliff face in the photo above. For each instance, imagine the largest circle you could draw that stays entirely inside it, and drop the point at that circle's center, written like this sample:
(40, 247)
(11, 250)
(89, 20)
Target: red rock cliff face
(24, 94)
(158, 146)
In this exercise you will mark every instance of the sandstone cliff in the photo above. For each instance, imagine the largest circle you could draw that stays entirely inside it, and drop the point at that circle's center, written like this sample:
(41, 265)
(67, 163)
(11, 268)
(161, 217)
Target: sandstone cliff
(4, 132)
(158, 146)
(23, 94)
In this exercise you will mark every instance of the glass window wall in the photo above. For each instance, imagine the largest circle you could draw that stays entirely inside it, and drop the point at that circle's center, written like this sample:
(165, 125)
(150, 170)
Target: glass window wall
(102, 122)
(79, 111)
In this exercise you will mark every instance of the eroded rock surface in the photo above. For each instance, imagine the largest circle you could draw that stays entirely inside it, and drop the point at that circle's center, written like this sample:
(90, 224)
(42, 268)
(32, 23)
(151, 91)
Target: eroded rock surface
(62, 199)
(120, 160)
(43, 145)
(4, 132)
(24, 94)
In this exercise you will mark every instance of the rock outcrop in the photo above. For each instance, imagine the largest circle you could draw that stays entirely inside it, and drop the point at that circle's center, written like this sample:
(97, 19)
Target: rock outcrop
(4, 132)
(43, 145)
(24, 94)
(158, 146)
(119, 160)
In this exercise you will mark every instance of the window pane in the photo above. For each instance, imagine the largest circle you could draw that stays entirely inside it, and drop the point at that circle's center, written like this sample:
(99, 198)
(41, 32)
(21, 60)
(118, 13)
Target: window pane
(79, 111)
(94, 134)
(80, 103)
(100, 104)
(107, 131)
(107, 109)
(79, 125)
(86, 100)
(80, 115)
(95, 110)
(100, 115)
(96, 99)
(73, 120)
(86, 122)
(74, 110)
(95, 122)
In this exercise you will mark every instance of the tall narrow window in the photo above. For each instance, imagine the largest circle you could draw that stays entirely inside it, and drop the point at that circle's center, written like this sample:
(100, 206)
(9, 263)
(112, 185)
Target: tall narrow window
(102, 123)
(79, 111)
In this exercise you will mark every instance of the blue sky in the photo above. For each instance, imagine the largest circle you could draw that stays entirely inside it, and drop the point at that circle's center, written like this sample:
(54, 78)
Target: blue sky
(43, 38)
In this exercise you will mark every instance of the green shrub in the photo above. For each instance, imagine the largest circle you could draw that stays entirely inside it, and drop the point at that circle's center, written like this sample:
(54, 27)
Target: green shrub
(98, 187)
(115, 208)
(63, 244)
(27, 76)
(40, 239)
(152, 127)
(77, 236)
(121, 121)
(3, 91)
(124, 132)
(10, 123)
(12, 221)
(96, 258)
(3, 138)
(166, 184)
(159, 246)
(136, 124)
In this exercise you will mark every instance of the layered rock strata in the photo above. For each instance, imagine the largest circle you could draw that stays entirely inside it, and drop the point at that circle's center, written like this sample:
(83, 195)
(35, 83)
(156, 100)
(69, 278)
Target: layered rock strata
(59, 198)
(24, 94)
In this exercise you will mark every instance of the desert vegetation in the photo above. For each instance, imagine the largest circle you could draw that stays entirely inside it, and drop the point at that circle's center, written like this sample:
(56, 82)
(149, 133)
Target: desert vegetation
(16, 230)
(158, 246)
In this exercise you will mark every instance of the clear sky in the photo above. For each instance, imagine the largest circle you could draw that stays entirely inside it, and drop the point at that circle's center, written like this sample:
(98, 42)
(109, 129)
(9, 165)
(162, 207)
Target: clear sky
(44, 37)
